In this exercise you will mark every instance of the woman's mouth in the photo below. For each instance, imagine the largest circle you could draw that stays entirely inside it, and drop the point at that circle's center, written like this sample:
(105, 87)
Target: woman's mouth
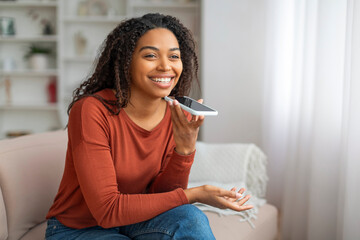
(162, 82)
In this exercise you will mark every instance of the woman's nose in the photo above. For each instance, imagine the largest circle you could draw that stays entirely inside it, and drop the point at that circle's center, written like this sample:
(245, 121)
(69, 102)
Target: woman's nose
(164, 65)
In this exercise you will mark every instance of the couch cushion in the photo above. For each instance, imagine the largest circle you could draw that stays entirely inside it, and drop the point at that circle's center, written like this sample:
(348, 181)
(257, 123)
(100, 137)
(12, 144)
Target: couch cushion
(35, 233)
(229, 227)
(30, 172)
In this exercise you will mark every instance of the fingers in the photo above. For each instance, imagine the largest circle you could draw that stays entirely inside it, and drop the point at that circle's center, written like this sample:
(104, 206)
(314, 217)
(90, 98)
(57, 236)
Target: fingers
(222, 198)
(229, 195)
(236, 203)
(174, 116)
(180, 114)
(236, 206)
(239, 205)
(179, 117)
(241, 191)
(230, 198)
(243, 200)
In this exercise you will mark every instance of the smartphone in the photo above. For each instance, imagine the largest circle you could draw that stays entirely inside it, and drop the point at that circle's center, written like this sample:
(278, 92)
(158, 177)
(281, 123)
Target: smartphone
(192, 106)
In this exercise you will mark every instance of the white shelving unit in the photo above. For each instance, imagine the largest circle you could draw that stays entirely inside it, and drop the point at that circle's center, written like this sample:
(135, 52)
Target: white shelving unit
(92, 20)
(24, 105)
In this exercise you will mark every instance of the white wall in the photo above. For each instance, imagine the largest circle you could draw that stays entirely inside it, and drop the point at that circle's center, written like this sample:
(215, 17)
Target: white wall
(349, 215)
(232, 69)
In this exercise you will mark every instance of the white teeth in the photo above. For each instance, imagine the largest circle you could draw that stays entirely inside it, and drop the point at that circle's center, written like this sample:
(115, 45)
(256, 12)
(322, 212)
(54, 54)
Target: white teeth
(163, 80)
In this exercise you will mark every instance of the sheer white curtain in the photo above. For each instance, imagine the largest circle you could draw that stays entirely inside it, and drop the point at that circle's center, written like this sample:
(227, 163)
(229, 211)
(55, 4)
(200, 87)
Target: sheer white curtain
(312, 117)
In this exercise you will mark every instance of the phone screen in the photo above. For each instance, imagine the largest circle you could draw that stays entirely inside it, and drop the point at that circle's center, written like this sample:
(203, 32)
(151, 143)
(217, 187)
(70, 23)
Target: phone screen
(193, 104)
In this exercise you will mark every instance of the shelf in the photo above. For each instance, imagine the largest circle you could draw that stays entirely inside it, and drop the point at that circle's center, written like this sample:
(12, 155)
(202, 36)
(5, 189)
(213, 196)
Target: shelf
(29, 73)
(30, 107)
(94, 19)
(50, 38)
(80, 59)
(29, 4)
(165, 5)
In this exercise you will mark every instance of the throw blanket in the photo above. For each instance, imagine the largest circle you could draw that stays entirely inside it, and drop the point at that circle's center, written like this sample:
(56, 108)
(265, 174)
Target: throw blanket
(231, 165)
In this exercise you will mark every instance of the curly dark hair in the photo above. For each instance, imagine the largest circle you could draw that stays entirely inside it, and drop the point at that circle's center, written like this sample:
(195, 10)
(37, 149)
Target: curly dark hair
(112, 67)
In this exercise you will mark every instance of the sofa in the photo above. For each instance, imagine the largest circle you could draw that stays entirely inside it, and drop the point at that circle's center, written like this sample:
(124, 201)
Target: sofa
(30, 172)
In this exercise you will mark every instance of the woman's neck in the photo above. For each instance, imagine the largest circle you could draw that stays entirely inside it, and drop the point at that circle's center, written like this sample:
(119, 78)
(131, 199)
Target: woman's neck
(143, 108)
(145, 112)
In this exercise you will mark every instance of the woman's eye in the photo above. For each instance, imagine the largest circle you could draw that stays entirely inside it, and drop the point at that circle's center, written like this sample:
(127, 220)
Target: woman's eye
(150, 56)
(174, 57)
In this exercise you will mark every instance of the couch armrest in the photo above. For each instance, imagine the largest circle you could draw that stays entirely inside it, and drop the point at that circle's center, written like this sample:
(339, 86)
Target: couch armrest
(30, 172)
(3, 223)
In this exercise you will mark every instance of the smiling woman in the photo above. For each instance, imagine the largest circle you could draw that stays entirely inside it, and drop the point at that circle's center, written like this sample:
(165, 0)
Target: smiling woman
(118, 184)
(156, 58)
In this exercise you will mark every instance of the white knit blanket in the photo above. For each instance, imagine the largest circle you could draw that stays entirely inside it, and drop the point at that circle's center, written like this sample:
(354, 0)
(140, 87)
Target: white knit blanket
(231, 165)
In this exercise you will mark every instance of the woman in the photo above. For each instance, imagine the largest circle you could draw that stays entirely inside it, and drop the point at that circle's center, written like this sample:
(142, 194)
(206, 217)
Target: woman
(129, 152)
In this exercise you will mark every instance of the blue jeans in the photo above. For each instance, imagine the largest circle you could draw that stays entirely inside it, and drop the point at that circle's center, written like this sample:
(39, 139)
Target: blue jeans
(183, 222)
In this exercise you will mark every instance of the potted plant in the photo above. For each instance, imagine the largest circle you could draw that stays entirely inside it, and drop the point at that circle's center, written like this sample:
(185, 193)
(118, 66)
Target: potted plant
(38, 57)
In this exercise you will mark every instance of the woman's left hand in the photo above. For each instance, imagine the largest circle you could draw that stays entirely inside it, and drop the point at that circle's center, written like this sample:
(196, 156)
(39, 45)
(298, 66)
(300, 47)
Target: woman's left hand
(185, 131)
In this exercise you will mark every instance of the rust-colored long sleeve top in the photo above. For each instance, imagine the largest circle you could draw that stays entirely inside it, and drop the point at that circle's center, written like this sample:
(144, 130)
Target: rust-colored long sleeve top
(117, 173)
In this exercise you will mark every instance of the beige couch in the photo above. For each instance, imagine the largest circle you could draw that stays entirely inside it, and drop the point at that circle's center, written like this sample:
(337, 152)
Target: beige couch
(30, 171)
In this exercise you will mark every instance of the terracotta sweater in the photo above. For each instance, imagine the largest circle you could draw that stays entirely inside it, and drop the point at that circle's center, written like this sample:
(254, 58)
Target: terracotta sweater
(117, 173)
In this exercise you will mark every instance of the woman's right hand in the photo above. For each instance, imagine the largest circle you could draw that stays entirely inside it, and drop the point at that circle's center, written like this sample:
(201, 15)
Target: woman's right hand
(218, 197)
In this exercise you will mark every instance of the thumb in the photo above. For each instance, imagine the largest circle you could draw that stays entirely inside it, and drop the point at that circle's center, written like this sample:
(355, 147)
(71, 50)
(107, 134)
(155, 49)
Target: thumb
(200, 100)
(231, 194)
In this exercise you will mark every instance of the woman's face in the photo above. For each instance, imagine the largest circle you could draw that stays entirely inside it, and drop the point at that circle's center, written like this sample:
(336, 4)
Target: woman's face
(156, 64)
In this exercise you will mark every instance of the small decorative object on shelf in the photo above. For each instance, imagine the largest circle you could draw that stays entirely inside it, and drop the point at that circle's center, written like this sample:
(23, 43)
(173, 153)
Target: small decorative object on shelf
(38, 57)
(97, 8)
(8, 90)
(80, 43)
(82, 8)
(92, 8)
(7, 26)
(47, 26)
(51, 88)
(8, 64)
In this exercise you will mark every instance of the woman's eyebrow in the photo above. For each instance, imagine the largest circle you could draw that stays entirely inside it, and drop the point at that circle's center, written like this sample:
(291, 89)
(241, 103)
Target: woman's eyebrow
(149, 47)
(156, 49)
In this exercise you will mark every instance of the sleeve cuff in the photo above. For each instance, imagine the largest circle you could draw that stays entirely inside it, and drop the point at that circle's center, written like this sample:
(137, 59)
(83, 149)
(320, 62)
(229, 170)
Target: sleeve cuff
(182, 195)
(184, 158)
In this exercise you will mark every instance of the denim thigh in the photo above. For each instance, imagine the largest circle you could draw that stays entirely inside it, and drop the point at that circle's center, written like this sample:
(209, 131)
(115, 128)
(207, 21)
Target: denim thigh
(183, 222)
(56, 230)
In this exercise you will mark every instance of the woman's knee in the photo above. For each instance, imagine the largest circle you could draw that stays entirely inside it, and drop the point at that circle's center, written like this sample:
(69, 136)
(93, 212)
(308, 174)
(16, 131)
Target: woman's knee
(193, 215)
(193, 221)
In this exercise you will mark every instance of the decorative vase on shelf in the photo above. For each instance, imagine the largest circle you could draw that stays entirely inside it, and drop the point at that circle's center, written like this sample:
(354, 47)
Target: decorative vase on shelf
(51, 89)
(38, 57)
(38, 61)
